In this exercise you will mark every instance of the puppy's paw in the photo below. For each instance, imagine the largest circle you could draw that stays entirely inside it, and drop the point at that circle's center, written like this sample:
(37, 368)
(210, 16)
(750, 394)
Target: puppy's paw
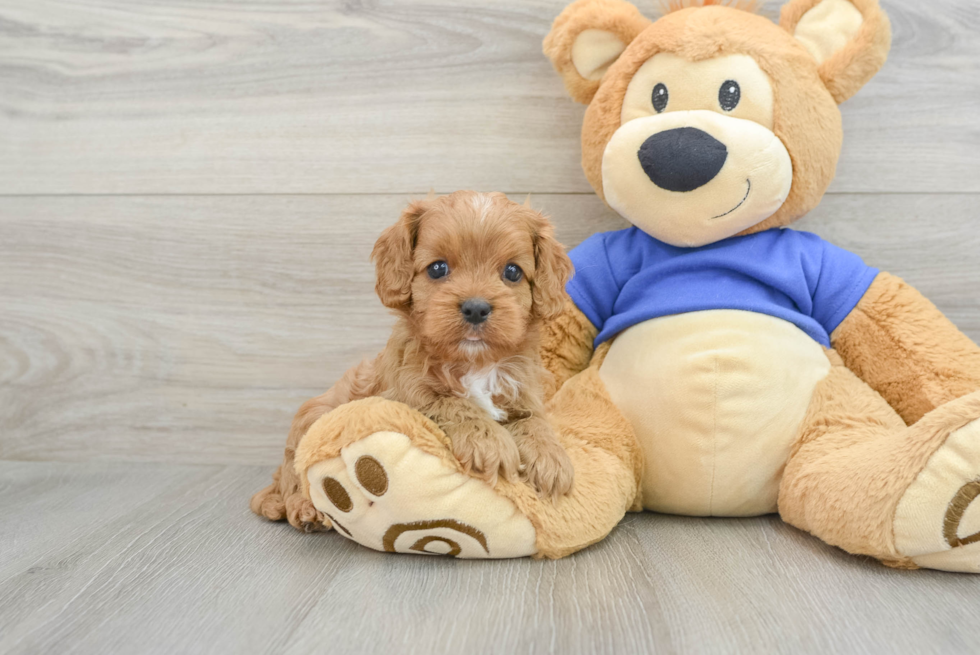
(303, 516)
(546, 464)
(485, 449)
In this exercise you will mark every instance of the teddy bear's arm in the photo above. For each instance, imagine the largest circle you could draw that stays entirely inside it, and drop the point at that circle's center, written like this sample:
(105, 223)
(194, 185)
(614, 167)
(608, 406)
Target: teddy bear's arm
(901, 345)
(566, 345)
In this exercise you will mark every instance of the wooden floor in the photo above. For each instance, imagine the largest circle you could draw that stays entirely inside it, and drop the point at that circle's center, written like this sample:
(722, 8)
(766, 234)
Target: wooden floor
(188, 195)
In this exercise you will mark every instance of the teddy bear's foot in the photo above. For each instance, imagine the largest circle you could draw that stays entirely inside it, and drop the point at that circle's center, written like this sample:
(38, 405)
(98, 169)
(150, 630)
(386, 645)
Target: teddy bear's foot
(400, 490)
(864, 481)
(937, 521)
(387, 494)
(384, 475)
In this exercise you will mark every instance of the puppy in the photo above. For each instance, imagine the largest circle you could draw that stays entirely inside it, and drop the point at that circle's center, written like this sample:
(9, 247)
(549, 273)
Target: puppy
(471, 277)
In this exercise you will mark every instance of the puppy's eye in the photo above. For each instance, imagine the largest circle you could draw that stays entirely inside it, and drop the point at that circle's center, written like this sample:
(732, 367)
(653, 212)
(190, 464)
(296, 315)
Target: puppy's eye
(729, 94)
(438, 269)
(513, 273)
(660, 97)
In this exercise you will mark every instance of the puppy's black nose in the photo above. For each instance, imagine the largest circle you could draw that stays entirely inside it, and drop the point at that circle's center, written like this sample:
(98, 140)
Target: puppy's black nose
(475, 310)
(682, 159)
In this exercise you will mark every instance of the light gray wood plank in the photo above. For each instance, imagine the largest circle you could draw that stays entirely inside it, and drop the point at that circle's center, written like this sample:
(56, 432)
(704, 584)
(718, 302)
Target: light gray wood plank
(82, 498)
(186, 568)
(141, 96)
(189, 329)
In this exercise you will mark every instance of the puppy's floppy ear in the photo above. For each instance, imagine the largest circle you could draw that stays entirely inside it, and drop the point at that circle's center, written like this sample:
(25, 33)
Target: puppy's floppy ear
(552, 270)
(585, 40)
(393, 258)
(848, 38)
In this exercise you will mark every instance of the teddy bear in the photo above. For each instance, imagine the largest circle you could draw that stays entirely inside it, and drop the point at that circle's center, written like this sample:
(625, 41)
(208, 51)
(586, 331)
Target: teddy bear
(710, 360)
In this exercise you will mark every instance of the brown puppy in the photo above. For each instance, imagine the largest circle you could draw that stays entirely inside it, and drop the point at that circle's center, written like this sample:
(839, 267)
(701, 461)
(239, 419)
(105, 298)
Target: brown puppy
(472, 276)
(480, 380)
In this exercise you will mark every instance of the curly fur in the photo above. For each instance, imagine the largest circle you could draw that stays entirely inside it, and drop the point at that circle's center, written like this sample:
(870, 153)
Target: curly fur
(484, 386)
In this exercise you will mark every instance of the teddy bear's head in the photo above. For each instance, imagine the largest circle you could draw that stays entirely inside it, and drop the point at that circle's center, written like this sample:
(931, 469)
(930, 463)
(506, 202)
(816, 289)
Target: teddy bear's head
(713, 121)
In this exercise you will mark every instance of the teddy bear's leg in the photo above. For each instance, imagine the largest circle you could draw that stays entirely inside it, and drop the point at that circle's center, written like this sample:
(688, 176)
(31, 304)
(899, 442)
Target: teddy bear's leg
(608, 463)
(858, 478)
(385, 476)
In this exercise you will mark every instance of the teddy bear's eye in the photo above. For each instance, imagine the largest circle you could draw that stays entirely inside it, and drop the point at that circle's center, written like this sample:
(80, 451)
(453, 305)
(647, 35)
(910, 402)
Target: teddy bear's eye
(729, 94)
(513, 273)
(438, 269)
(660, 97)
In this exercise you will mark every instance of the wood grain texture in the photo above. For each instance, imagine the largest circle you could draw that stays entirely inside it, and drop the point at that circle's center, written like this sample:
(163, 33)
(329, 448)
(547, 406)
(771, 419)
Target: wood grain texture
(167, 559)
(189, 329)
(396, 96)
(156, 343)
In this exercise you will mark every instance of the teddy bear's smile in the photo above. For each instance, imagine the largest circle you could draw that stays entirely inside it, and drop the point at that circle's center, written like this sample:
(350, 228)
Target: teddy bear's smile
(748, 190)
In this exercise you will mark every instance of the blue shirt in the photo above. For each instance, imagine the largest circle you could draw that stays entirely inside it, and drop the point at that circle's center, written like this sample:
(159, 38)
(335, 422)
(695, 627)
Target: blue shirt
(625, 277)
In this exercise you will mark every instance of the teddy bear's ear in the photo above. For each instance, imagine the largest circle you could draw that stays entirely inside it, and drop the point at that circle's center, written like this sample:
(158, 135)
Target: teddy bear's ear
(587, 38)
(848, 38)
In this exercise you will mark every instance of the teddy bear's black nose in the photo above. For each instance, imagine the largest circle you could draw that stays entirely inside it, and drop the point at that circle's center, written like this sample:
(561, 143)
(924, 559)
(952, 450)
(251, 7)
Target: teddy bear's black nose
(475, 310)
(682, 159)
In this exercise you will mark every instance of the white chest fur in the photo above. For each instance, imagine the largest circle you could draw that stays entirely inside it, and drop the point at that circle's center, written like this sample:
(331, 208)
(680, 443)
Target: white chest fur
(483, 384)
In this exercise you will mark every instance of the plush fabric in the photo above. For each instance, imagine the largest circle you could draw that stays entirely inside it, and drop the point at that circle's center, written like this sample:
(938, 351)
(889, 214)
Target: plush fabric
(620, 20)
(626, 277)
(716, 400)
(900, 344)
(856, 460)
(695, 85)
(742, 176)
(808, 122)
(430, 496)
(827, 27)
(850, 67)
(949, 473)
(711, 389)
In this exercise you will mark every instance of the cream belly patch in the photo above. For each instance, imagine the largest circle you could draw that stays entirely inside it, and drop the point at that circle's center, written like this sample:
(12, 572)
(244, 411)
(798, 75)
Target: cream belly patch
(716, 399)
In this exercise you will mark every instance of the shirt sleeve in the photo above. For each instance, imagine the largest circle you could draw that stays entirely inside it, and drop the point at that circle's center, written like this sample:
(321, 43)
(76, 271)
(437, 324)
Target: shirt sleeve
(593, 287)
(841, 282)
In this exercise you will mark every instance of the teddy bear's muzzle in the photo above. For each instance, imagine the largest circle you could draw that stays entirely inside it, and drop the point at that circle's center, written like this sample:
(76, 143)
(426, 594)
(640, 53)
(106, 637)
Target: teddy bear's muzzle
(693, 177)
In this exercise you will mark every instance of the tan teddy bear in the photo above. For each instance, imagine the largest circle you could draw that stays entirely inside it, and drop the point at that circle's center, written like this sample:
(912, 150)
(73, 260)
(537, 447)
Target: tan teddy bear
(711, 362)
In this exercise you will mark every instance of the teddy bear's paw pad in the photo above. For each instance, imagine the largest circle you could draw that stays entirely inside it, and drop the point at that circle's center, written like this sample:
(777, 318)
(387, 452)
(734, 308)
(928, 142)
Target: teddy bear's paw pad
(937, 522)
(385, 493)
